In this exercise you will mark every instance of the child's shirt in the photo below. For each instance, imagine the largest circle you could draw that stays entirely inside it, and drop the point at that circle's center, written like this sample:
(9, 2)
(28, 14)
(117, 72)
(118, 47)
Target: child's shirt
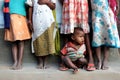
(17, 7)
(73, 53)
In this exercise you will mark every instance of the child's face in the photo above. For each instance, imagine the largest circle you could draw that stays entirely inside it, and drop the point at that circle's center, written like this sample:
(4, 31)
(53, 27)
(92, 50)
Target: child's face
(78, 37)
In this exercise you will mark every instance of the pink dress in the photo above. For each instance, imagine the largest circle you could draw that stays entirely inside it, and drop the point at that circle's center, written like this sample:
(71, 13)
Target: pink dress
(75, 14)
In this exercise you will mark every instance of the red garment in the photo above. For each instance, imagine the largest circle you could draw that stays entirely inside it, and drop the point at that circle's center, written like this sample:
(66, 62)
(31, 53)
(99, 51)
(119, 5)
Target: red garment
(113, 5)
(69, 44)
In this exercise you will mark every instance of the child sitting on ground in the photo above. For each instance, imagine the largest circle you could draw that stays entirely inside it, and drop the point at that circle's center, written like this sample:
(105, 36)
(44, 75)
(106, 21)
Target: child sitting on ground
(74, 51)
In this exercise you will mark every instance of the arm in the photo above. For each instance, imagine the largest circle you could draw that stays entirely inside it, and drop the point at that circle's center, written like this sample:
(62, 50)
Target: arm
(48, 3)
(30, 10)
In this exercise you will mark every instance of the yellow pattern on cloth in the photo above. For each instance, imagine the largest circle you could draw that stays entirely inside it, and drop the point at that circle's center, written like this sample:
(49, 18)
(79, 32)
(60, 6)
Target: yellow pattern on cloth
(44, 44)
(18, 29)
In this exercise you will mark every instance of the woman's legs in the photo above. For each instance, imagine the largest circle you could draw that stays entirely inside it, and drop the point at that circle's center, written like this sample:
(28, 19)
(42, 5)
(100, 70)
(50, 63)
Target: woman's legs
(98, 53)
(14, 54)
(105, 58)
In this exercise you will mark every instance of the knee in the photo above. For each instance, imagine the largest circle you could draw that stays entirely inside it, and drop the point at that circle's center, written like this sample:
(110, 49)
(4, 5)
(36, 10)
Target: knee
(83, 60)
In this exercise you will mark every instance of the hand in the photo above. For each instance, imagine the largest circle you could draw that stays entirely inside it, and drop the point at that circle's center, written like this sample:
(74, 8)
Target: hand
(30, 26)
(42, 2)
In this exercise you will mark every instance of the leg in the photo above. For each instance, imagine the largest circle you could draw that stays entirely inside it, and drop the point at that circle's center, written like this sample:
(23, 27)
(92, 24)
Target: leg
(14, 53)
(98, 53)
(45, 62)
(40, 62)
(20, 56)
(62, 64)
(91, 62)
(105, 60)
(81, 62)
(70, 64)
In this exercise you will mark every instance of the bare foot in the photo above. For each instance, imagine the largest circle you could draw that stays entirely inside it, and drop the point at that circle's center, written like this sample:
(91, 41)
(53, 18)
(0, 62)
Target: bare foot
(46, 66)
(13, 67)
(99, 65)
(104, 66)
(40, 66)
(18, 67)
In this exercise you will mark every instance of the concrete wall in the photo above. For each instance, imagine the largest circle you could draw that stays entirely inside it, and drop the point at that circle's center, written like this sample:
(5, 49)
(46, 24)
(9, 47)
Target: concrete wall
(5, 51)
(6, 58)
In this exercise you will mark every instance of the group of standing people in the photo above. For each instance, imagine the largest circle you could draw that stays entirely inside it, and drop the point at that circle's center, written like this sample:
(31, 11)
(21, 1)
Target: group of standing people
(73, 25)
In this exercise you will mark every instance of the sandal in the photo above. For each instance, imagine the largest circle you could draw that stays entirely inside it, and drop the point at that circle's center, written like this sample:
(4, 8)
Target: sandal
(63, 68)
(91, 67)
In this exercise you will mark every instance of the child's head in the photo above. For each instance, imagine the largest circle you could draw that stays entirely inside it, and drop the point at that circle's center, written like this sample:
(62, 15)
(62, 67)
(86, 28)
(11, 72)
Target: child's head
(78, 36)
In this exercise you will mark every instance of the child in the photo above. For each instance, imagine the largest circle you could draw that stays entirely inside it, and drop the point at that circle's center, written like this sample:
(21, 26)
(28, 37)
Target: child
(40, 14)
(75, 14)
(16, 29)
(105, 31)
(74, 51)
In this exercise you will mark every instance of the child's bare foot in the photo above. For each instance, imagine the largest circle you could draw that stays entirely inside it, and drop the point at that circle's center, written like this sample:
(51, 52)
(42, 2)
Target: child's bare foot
(13, 66)
(40, 66)
(46, 66)
(75, 71)
(104, 66)
(18, 67)
(99, 65)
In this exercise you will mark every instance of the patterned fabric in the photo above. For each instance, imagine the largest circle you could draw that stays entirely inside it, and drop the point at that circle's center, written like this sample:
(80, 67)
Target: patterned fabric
(6, 12)
(43, 25)
(73, 53)
(75, 14)
(18, 29)
(113, 5)
(104, 25)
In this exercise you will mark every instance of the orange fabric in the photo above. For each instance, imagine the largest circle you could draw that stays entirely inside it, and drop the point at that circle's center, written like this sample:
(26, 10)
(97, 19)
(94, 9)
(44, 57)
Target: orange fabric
(18, 29)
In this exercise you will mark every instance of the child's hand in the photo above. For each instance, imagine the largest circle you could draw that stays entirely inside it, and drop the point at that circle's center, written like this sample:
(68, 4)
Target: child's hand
(30, 26)
(42, 2)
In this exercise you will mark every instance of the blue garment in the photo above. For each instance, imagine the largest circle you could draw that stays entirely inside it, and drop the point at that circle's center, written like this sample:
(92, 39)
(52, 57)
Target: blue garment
(17, 7)
(104, 25)
(6, 15)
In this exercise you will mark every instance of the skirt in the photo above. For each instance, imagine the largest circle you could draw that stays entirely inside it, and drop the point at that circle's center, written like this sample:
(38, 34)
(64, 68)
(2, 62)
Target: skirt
(18, 29)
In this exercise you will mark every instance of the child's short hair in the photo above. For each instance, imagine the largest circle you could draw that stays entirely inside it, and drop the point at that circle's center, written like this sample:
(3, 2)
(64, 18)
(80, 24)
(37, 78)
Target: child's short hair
(75, 30)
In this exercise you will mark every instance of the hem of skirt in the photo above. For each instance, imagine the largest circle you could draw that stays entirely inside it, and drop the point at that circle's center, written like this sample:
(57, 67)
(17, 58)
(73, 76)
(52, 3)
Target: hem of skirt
(17, 39)
(111, 46)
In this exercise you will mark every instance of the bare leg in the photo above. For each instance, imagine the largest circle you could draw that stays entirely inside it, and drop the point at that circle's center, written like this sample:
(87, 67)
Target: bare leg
(89, 49)
(90, 62)
(105, 60)
(63, 67)
(45, 62)
(20, 56)
(40, 63)
(14, 53)
(82, 62)
(70, 64)
(98, 53)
